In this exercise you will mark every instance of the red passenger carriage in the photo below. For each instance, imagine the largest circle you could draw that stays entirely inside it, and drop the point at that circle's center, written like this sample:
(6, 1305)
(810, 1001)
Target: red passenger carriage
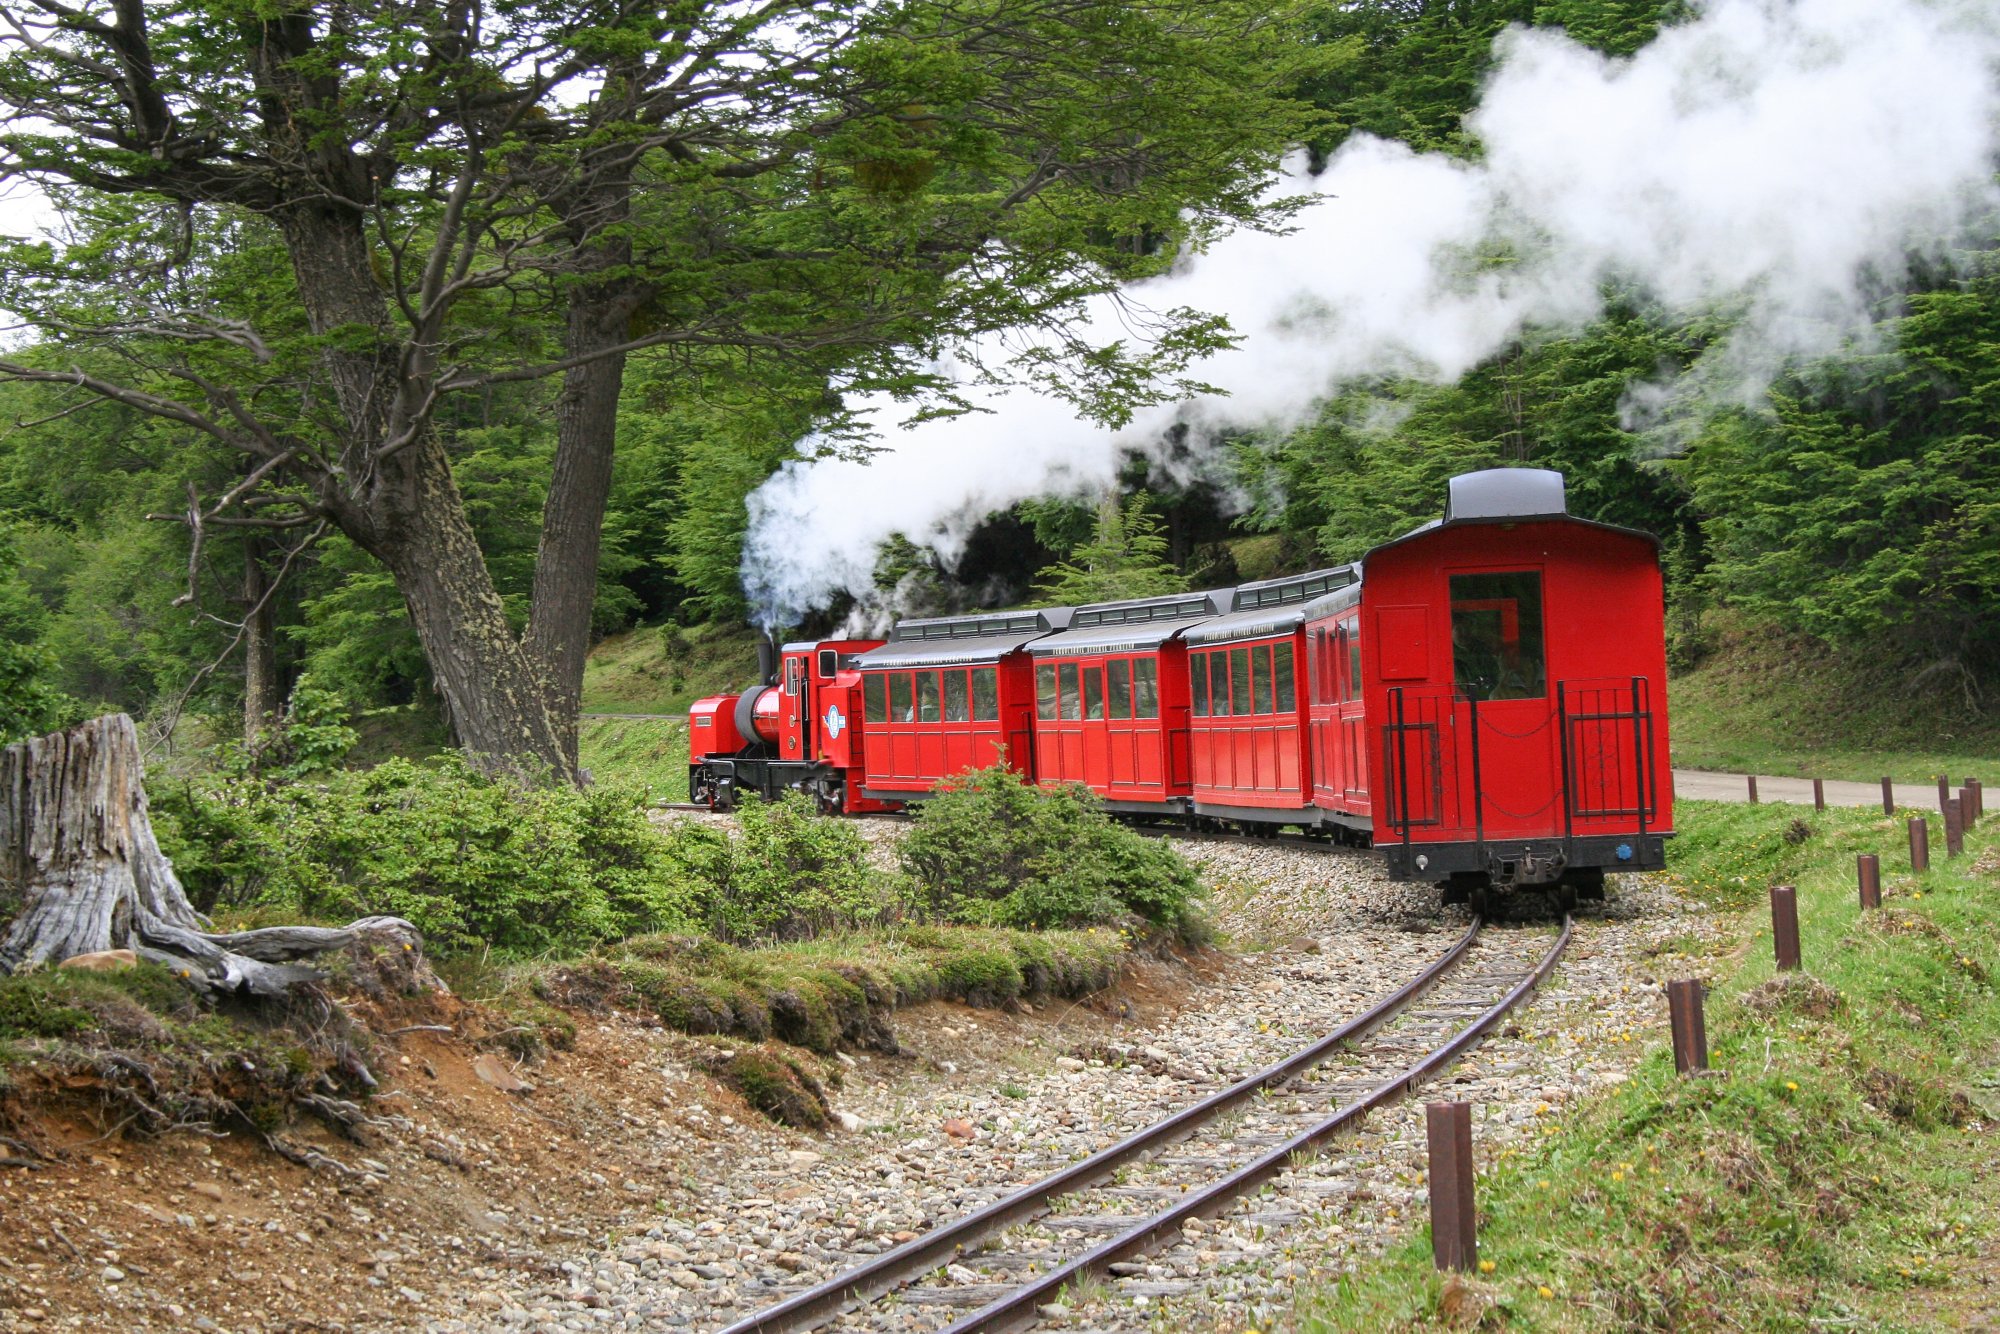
(1247, 726)
(1111, 701)
(947, 695)
(1512, 711)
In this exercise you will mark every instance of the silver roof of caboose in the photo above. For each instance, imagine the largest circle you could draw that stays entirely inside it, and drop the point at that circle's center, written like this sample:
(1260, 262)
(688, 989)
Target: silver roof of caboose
(1271, 606)
(1136, 623)
(946, 640)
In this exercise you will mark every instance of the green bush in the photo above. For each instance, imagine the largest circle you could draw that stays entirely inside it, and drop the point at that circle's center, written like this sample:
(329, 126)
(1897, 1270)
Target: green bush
(992, 849)
(469, 859)
(795, 874)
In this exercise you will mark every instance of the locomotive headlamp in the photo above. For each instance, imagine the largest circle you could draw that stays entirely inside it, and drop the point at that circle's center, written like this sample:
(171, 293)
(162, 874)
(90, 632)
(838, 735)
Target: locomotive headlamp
(1423, 862)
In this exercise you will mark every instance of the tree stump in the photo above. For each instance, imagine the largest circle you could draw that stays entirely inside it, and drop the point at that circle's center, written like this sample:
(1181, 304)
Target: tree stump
(77, 841)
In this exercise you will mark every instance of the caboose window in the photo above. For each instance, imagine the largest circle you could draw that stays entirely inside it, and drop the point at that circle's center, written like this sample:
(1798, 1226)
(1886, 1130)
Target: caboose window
(1496, 635)
(1045, 692)
(1118, 687)
(1281, 677)
(1198, 682)
(927, 697)
(874, 698)
(1070, 707)
(985, 694)
(955, 710)
(1145, 689)
(899, 697)
(1239, 681)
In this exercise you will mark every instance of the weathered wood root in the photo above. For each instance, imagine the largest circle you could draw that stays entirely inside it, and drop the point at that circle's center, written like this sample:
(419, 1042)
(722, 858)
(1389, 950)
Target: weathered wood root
(77, 837)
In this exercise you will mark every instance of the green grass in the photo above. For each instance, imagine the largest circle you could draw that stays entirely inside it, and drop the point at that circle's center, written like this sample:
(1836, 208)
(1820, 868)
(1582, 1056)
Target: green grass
(665, 668)
(1836, 1172)
(639, 752)
(1759, 703)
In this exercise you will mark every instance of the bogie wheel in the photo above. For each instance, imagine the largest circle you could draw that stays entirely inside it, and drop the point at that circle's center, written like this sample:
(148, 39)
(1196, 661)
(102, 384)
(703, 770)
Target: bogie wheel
(1479, 899)
(1565, 897)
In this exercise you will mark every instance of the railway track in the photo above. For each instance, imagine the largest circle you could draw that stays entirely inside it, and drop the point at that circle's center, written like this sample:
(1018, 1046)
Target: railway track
(997, 1267)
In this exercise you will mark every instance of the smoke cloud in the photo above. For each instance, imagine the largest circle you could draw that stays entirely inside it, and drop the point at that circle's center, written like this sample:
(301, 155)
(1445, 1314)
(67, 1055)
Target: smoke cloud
(1786, 157)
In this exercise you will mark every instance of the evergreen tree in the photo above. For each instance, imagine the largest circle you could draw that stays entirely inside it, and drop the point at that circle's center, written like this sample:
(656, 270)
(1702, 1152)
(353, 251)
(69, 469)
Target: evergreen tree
(1125, 557)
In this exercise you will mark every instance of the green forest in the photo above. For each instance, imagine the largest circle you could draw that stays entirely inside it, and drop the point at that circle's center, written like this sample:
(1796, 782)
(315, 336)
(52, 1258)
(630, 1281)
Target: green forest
(190, 405)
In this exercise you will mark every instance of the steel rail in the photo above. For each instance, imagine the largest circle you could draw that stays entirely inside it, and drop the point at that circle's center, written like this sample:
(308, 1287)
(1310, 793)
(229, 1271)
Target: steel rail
(940, 1245)
(1019, 1308)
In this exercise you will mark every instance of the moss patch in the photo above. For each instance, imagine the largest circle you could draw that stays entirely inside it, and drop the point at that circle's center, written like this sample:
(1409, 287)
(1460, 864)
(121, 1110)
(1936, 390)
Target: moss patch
(831, 993)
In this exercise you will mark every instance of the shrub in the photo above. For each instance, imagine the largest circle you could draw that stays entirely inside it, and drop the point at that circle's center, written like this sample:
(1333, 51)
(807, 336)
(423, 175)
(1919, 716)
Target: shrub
(469, 859)
(990, 848)
(792, 873)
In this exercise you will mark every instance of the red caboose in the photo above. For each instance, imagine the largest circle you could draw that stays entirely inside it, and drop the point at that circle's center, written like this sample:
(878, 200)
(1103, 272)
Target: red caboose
(1111, 701)
(947, 695)
(1247, 729)
(1511, 667)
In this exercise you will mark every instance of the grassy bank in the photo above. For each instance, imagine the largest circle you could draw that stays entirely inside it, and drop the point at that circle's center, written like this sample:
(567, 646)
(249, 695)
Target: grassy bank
(665, 668)
(1837, 1170)
(646, 753)
(1763, 704)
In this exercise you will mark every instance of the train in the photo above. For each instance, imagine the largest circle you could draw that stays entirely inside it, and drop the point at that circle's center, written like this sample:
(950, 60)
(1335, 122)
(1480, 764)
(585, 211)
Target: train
(1482, 700)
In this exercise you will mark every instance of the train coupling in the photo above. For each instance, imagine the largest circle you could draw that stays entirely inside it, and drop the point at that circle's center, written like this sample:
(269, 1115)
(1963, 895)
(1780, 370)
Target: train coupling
(1525, 868)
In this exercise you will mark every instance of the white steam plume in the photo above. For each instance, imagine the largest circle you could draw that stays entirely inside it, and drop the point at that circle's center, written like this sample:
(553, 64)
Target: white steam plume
(1784, 155)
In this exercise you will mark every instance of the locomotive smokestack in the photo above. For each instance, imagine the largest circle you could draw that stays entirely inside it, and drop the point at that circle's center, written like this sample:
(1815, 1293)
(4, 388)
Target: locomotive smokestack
(767, 659)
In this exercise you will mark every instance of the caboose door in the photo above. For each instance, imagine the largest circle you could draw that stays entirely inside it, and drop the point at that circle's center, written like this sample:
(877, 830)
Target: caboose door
(1500, 668)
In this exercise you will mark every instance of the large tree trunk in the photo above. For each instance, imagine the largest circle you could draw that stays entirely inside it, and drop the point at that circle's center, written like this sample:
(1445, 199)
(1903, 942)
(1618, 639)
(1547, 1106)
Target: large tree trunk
(405, 509)
(600, 313)
(492, 689)
(77, 841)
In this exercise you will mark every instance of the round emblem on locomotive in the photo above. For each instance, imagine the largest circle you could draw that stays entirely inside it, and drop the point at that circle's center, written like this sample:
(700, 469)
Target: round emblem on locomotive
(835, 720)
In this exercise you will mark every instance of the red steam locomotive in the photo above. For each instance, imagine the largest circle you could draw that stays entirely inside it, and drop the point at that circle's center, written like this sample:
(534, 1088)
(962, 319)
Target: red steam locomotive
(1482, 699)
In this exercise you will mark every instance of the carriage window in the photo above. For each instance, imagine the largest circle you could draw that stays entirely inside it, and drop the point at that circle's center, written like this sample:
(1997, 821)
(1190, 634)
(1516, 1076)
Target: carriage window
(899, 698)
(927, 697)
(1218, 682)
(955, 710)
(1070, 707)
(1496, 635)
(1354, 661)
(1260, 678)
(1239, 679)
(1281, 677)
(1045, 692)
(1198, 682)
(829, 663)
(875, 698)
(985, 694)
(1093, 694)
(1145, 689)
(1118, 688)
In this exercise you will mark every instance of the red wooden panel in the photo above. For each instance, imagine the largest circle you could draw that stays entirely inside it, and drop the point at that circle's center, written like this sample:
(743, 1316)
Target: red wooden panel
(1402, 641)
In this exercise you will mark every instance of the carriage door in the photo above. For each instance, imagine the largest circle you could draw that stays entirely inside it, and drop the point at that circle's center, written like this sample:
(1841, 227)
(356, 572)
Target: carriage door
(1500, 669)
